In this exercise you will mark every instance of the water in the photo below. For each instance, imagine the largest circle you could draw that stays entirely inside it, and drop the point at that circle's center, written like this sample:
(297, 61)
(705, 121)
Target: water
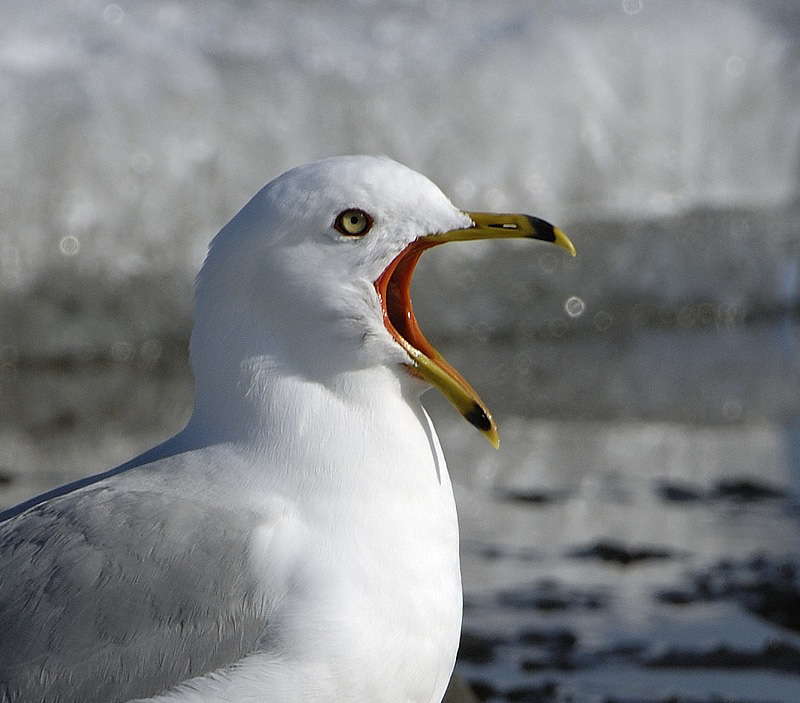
(635, 538)
(638, 547)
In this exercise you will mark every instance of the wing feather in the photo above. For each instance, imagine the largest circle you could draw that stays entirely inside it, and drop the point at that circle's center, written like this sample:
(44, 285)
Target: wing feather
(122, 589)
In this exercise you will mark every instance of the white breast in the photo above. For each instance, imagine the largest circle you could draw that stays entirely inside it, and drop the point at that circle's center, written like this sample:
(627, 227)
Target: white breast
(359, 566)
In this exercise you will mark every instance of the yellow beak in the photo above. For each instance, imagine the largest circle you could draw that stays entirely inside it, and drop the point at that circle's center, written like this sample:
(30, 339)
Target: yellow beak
(393, 287)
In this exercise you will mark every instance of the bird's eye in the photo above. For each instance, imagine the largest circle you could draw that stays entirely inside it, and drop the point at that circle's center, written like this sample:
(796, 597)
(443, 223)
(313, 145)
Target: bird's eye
(353, 223)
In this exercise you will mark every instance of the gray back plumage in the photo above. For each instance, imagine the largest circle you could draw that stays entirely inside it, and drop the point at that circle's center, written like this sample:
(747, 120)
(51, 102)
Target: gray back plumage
(122, 589)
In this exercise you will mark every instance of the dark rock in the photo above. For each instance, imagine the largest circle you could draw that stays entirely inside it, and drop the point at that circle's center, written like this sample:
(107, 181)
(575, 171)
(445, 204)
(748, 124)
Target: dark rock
(549, 596)
(476, 648)
(679, 493)
(617, 553)
(459, 691)
(762, 585)
(559, 639)
(544, 693)
(776, 656)
(746, 490)
(532, 497)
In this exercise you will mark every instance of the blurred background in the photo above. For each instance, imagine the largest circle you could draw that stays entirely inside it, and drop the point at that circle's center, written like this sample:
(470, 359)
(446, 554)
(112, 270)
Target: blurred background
(635, 539)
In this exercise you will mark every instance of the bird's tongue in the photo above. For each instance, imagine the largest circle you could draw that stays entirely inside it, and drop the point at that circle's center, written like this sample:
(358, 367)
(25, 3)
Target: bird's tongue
(394, 290)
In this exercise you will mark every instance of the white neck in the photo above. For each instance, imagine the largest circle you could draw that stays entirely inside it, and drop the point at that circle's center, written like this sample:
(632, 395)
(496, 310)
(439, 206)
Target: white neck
(279, 409)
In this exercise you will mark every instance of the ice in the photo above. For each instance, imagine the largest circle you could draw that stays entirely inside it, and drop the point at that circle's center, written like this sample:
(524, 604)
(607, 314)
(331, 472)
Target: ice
(130, 132)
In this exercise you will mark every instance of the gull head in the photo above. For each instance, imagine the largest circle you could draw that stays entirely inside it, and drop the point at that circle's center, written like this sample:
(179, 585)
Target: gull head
(312, 278)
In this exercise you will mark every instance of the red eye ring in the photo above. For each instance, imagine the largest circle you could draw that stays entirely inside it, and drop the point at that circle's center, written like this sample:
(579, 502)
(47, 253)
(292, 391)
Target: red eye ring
(353, 222)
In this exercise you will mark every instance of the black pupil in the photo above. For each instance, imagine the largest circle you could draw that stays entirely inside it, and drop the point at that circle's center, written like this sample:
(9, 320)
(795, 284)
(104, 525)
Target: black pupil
(353, 222)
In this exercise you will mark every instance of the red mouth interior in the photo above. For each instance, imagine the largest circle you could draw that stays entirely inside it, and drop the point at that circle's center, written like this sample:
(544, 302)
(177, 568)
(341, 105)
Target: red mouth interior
(394, 290)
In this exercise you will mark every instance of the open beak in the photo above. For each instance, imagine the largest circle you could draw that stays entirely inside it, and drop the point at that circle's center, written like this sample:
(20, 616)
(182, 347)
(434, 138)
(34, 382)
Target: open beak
(394, 290)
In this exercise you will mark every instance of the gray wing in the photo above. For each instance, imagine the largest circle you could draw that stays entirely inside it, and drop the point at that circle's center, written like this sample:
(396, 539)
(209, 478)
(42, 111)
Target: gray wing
(121, 589)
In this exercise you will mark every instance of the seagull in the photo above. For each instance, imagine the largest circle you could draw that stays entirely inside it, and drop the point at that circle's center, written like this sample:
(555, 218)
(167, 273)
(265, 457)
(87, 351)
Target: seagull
(297, 541)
